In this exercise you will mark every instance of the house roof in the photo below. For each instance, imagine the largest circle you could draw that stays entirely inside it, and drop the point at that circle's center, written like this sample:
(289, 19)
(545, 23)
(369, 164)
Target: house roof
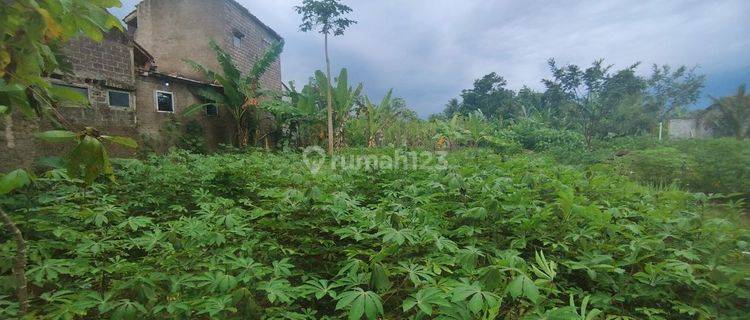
(132, 15)
(143, 51)
(181, 78)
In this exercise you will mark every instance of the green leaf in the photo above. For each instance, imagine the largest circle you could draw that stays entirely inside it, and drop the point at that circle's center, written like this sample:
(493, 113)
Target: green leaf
(425, 299)
(360, 302)
(566, 313)
(478, 298)
(68, 95)
(14, 180)
(523, 286)
(123, 141)
(57, 136)
(379, 278)
(90, 156)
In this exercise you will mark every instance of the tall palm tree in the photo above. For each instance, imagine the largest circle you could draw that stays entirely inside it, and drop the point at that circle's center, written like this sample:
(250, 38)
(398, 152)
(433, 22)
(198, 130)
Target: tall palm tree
(731, 115)
(326, 17)
(237, 95)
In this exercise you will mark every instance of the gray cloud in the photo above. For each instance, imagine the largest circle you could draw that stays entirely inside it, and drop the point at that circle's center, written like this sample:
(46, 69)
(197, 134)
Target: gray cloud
(428, 50)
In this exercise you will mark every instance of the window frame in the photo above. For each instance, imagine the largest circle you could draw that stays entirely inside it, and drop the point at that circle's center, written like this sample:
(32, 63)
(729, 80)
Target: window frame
(266, 42)
(156, 100)
(237, 38)
(205, 111)
(130, 100)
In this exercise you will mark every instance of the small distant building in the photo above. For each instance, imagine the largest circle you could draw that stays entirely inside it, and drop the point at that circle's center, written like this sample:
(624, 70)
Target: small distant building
(689, 128)
(138, 83)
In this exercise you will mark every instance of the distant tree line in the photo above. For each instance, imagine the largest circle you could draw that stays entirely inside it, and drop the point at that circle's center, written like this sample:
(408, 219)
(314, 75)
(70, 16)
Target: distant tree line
(598, 100)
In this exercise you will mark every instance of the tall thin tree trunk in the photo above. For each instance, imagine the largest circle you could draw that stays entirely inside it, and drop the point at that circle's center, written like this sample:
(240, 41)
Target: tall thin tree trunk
(242, 134)
(330, 98)
(10, 140)
(19, 264)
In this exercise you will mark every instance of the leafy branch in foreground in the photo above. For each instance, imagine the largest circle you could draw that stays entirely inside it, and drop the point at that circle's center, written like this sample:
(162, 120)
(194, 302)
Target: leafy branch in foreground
(88, 158)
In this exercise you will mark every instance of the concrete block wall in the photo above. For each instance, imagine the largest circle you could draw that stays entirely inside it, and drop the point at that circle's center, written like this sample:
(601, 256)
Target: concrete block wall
(253, 45)
(154, 127)
(688, 128)
(175, 30)
(110, 61)
(171, 30)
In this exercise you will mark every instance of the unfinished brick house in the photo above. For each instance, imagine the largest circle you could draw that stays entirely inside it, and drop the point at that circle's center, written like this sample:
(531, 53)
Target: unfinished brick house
(138, 83)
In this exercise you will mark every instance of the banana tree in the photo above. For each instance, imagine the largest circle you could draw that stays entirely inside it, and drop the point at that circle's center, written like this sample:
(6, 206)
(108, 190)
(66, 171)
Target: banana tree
(450, 133)
(344, 99)
(379, 117)
(468, 130)
(238, 95)
(731, 115)
(308, 120)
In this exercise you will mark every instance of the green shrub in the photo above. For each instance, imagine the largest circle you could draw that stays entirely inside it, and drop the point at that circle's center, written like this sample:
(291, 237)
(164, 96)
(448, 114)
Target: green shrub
(193, 138)
(502, 142)
(537, 137)
(720, 165)
(659, 166)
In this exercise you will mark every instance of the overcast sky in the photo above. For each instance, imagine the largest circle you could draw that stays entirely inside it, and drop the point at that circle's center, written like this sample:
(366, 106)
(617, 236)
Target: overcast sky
(428, 50)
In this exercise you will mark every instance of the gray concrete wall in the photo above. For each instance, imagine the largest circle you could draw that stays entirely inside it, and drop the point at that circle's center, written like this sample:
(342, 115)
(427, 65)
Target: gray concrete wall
(254, 44)
(688, 129)
(159, 131)
(174, 30)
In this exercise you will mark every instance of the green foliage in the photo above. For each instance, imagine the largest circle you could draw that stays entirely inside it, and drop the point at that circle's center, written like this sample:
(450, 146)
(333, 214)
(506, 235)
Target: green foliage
(535, 136)
(306, 115)
(659, 166)
(710, 165)
(256, 235)
(14, 180)
(489, 96)
(33, 32)
(324, 16)
(88, 159)
(239, 94)
(730, 116)
(671, 90)
(719, 165)
(344, 96)
(595, 101)
(193, 138)
(359, 303)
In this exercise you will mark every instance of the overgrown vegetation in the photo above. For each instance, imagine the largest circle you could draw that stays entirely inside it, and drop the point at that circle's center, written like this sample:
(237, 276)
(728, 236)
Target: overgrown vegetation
(560, 204)
(256, 235)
